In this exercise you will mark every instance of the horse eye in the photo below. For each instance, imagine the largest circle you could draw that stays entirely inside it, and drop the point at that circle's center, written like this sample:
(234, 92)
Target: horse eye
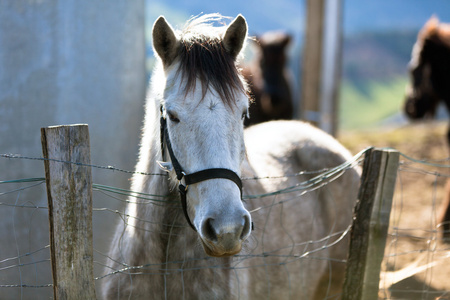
(172, 117)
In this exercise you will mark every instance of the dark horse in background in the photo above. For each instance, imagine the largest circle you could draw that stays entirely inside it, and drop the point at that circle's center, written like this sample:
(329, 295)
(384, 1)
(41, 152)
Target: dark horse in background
(268, 80)
(430, 84)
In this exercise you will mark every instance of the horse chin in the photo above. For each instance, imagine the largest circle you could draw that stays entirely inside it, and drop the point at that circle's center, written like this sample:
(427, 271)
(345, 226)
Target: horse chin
(214, 251)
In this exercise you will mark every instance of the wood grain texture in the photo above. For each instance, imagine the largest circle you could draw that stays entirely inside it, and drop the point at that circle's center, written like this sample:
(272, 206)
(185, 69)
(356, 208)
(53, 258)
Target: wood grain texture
(69, 189)
(370, 224)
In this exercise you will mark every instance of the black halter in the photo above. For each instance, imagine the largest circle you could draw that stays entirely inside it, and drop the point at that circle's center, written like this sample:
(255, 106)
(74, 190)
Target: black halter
(196, 177)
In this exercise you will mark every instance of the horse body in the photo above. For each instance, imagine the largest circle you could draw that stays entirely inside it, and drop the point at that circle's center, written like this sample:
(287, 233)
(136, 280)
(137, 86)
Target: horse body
(429, 85)
(157, 255)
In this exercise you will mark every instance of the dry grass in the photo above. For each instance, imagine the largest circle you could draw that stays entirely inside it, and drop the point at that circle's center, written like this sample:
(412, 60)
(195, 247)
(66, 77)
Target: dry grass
(419, 192)
(422, 140)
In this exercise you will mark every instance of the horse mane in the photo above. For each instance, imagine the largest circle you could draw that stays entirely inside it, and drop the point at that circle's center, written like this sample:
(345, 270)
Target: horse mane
(202, 56)
(435, 31)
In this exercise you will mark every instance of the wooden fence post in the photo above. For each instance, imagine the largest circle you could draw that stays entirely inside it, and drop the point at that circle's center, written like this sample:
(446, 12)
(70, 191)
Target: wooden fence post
(370, 225)
(321, 64)
(69, 191)
(309, 109)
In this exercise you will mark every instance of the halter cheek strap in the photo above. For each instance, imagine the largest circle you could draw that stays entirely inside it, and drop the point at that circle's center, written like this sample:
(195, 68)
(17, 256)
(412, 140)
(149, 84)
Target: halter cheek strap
(213, 173)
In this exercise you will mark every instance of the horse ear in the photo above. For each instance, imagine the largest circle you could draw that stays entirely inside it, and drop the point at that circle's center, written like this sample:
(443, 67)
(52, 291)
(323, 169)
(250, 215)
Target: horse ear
(286, 40)
(165, 42)
(235, 36)
(430, 28)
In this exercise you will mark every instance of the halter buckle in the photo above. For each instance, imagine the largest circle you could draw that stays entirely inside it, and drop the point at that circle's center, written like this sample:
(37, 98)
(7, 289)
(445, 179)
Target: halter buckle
(182, 186)
(185, 187)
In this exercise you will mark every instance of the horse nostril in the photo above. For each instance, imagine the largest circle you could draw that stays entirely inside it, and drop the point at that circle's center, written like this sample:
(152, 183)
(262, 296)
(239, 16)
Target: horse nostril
(208, 230)
(247, 227)
(224, 231)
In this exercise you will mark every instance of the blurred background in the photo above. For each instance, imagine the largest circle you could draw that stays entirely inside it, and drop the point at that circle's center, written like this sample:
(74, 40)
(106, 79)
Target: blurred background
(65, 62)
(377, 40)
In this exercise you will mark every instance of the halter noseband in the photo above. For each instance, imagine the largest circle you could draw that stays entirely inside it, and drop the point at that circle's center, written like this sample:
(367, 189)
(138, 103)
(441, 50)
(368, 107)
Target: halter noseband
(213, 173)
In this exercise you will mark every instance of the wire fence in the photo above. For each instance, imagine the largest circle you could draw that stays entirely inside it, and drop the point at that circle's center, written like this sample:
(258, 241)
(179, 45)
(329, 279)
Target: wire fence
(416, 255)
(24, 251)
(414, 267)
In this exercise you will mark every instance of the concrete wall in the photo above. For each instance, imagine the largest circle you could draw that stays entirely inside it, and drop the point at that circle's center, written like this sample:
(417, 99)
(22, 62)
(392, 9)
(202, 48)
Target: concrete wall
(63, 62)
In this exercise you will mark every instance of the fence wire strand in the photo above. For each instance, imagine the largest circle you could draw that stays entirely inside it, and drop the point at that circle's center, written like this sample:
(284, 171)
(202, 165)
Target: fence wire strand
(425, 240)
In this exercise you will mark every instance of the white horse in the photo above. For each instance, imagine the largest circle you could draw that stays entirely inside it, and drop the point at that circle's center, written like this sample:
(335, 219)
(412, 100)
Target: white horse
(205, 248)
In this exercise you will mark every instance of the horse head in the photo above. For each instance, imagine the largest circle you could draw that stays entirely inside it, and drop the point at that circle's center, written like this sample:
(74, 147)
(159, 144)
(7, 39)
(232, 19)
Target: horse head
(421, 100)
(203, 104)
(276, 97)
(272, 51)
(423, 92)
(269, 79)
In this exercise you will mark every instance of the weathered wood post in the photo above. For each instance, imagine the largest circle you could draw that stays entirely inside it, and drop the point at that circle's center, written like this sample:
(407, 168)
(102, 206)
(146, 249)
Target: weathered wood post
(370, 225)
(312, 62)
(69, 190)
(321, 64)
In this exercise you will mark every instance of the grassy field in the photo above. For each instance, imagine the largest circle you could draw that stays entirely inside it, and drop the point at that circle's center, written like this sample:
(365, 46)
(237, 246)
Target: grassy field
(366, 104)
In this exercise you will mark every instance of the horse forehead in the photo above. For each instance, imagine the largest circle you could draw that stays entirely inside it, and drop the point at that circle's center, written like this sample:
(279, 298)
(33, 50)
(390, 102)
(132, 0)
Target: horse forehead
(198, 101)
(194, 101)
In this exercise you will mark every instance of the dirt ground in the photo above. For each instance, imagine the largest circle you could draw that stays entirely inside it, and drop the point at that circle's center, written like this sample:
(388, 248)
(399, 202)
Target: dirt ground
(417, 261)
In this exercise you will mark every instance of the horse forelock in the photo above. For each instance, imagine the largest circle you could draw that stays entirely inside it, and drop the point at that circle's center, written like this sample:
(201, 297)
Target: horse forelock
(435, 31)
(202, 56)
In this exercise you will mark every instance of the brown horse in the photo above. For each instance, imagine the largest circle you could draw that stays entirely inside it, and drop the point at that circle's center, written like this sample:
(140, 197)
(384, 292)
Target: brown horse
(268, 80)
(429, 85)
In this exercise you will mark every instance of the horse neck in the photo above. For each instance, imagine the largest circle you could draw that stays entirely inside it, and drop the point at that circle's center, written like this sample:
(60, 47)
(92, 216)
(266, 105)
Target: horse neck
(438, 53)
(166, 241)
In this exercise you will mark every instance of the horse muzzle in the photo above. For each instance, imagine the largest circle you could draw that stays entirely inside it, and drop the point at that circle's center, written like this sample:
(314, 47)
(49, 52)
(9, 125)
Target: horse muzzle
(222, 236)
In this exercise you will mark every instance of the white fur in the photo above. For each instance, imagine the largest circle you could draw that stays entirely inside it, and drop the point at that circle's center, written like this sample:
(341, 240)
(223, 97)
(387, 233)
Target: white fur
(283, 258)
(209, 135)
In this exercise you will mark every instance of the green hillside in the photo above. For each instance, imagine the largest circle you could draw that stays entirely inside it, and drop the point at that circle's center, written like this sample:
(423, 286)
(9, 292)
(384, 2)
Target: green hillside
(366, 104)
(374, 77)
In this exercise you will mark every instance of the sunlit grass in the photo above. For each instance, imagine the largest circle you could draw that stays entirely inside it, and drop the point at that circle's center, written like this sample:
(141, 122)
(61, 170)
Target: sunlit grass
(367, 104)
